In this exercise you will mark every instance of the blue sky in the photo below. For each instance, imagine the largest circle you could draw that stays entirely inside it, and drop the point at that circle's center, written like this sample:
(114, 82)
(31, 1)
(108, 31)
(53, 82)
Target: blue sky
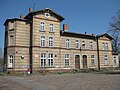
(91, 16)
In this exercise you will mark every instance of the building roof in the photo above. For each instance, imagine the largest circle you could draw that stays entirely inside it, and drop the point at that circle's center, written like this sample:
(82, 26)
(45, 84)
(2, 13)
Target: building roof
(15, 19)
(48, 10)
(77, 35)
(105, 34)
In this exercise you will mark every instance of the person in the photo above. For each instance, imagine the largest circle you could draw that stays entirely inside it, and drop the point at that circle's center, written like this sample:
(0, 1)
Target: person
(28, 71)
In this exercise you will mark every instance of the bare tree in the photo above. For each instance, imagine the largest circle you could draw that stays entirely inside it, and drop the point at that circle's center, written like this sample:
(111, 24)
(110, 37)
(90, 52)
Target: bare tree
(115, 31)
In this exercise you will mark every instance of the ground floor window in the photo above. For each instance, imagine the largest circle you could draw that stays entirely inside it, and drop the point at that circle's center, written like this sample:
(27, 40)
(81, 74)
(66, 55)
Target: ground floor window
(50, 59)
(66, 59)
(114, 60)
(105, 60)
(47, 60)
(10, 61)
(92, 60)
(43, 59)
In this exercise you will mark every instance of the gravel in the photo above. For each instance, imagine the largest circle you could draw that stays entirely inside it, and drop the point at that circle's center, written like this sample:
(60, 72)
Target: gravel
(78, 81)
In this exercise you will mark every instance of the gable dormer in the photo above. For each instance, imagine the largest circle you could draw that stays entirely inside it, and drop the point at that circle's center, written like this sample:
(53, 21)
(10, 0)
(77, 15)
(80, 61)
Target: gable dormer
(46, 14)
(105, 37)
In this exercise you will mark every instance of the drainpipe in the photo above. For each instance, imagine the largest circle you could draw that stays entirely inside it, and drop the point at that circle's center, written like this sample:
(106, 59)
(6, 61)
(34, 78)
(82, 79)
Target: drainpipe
(98, 53)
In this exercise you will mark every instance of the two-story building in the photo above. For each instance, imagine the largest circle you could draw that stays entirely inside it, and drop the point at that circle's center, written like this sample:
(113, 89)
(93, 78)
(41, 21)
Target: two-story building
(36, 41)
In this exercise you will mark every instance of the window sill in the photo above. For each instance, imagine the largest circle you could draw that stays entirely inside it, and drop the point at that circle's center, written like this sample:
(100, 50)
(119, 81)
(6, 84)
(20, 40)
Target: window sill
(51, 32)
(42, 31)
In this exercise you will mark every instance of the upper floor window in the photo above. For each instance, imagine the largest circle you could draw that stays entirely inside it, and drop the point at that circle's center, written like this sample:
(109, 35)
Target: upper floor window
(106, 45)
(67, 43)
(76, 44)
(11, 25)
(105, 60)
(92, 60)
(103, 46)
(51, 28)
(91, 45)
(83, 44)
(11, 40)
(66, 59)
(51, 41)
(43, 59)
(42, 26)
(42, 41)
(50, 59)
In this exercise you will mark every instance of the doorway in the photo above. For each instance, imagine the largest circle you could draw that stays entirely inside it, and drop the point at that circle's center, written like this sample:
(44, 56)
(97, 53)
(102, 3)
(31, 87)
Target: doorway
(84, 61)
(77, 62)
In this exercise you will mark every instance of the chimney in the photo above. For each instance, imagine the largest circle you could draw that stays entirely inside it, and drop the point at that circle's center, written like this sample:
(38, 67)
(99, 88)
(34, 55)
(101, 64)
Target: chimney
(21, 16)
(30, 9)
(65, 27)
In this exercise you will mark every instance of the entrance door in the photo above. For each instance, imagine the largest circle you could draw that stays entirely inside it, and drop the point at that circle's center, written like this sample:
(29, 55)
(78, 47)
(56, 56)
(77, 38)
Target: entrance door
(77, 62)
(10, 61)
(84, 61)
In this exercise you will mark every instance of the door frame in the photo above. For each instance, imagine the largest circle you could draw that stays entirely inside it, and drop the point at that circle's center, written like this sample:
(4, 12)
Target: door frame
(79, 60)
(86, 60)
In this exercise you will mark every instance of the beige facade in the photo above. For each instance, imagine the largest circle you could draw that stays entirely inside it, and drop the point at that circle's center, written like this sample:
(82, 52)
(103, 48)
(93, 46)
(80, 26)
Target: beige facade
(35, 41)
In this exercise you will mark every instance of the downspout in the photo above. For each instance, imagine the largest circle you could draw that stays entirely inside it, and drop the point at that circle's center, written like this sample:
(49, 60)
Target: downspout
(98, 53)
(31, 42)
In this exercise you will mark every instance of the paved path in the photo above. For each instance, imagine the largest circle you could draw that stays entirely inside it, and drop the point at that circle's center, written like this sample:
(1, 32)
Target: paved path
(79, 81)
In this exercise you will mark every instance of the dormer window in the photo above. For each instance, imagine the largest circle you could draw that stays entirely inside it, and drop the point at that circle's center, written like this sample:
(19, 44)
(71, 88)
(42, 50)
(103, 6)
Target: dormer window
(42, 26)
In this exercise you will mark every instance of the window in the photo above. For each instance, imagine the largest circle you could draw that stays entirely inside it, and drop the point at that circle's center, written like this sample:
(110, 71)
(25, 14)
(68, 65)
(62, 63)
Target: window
(42, 41)
(114, 61)
(11, 25)
(92, 60)
(51, 42)
(50, 60)
(11, 40)
(42, 26)
(76, 44)
(91, 45)
(66, 59)
(103, 46)
(106, 46)
(43, 59)
(51, 28)
(105, 60)
(83, 44)
(11, 59)
(67, 43)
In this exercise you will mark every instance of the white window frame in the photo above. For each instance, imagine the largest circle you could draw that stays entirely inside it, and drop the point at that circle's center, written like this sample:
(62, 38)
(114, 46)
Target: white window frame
(51, 42)
(42, 26)
(42, 41)
(50, 59)
(76, 44)
(103, 46)
(67, 59)
(106, 46)
(43, 60)
(67, 43)
(10, 61)
(83, 45)
(92, 60)
(51, 28)
(105, 60)
(91, 45)
(11, 40)
(114, 60)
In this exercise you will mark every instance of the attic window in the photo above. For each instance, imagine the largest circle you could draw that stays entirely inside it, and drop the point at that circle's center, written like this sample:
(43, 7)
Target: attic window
(47, 15)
